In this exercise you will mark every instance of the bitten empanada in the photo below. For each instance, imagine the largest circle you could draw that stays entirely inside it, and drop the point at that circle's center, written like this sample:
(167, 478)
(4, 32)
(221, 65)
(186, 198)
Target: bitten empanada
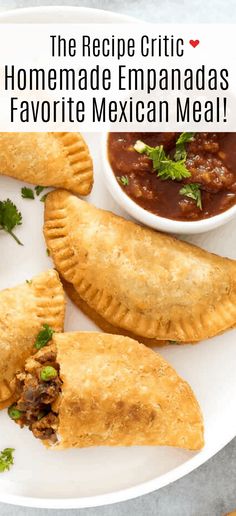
(24, 311)
(95, 389)
(137, 279)
(48, 159)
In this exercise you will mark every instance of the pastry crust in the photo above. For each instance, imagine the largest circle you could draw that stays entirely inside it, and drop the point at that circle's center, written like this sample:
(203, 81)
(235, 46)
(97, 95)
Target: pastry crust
(48, 159)
(24, 310)
(117, 392)
(102, 323)
(137, 279)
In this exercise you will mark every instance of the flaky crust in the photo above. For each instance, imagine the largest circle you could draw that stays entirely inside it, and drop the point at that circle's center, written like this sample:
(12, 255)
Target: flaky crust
(117, 392)
(48, 159)
(24, 310)
(137, 279)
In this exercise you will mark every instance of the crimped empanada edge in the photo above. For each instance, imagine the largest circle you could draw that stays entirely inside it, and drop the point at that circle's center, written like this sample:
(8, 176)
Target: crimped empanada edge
(79, 158)
(102, 323)
(50, 306)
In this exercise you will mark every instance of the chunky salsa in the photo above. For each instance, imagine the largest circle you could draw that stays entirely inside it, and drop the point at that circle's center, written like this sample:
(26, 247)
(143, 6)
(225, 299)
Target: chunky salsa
(210, 160)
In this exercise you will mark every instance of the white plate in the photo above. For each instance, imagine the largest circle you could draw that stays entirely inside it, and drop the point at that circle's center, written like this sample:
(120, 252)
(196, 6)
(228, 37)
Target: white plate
(99, 476)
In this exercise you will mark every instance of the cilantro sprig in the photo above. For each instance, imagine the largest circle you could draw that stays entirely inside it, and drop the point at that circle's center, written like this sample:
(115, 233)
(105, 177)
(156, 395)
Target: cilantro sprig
(27, 193)
(44, 197)
(180, 152)
(10, 217)
(192, 190)
(43, 337)
(165, 167)
(39, 189)
(123, 180)
(6, 459)
(173, 170)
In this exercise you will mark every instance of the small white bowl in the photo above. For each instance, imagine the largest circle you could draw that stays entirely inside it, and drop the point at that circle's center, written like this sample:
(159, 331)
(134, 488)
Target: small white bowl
(150, 219)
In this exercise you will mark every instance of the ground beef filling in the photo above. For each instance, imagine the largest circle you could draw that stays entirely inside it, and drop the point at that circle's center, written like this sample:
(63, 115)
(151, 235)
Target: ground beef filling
(36, 398)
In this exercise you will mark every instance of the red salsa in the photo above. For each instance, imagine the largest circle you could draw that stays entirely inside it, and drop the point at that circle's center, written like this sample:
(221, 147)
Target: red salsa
(209, 157)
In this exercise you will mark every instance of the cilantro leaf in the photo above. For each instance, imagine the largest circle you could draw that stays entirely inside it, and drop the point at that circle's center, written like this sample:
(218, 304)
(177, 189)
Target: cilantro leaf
(180, 152)
(184, 138)
(27, 193)
(124, 180)
(174, 170)
(192, 190)
(10, 217)
(43, 198)
(43, 337)
(39, 189)
(156, 154)
(166, 168)
(6, 459)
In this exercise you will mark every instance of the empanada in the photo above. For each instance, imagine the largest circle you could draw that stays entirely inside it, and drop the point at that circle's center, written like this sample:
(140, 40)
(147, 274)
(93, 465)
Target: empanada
(94, 389)
(24, 311)
(47, 159)
(137, 279)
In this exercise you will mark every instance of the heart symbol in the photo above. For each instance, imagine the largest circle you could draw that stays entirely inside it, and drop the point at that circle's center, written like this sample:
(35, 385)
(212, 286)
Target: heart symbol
(194, 42)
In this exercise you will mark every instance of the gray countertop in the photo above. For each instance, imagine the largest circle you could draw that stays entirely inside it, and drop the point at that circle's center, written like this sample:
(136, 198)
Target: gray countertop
(211, 489)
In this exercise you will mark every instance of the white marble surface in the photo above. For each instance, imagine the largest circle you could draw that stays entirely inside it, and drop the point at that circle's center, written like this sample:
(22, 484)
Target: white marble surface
(210, 490)
(185, 11)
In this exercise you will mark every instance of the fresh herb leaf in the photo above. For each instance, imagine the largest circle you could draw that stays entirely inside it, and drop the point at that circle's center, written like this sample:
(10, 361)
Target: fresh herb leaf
(192, 190)
(48, 252)
(44, 336)
(29, 281)
(6, 459)
(27, 193)
(174, 170)
(10, 217)
(39, 189)
(124, 180)
(180, 152)
(156, 154)
(184, 138)
(43, 198)
(173, 342)
(166, 168)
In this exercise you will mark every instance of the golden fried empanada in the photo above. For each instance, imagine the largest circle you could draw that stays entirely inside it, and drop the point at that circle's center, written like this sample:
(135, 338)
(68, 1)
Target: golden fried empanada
(24, 311)
(137, 279)
(103, 389)
(47, 159)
